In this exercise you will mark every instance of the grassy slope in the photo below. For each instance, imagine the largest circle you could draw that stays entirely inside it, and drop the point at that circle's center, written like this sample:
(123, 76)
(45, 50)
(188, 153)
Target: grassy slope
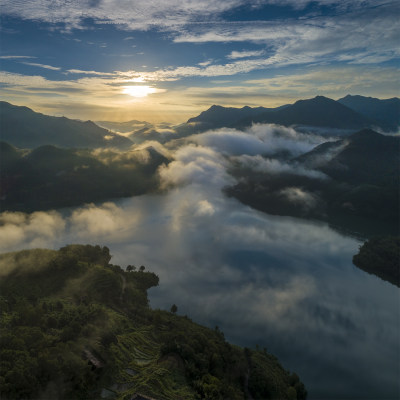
(74, 326)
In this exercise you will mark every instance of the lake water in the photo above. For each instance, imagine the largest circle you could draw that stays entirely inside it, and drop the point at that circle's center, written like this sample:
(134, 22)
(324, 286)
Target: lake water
(282, 283)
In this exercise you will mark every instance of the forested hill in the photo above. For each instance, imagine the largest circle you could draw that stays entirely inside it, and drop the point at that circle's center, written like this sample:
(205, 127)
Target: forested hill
(380, 256)
(75, 326)
(50, 177)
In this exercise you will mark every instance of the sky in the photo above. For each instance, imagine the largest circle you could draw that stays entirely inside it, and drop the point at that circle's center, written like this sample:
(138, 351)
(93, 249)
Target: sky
(169, 60)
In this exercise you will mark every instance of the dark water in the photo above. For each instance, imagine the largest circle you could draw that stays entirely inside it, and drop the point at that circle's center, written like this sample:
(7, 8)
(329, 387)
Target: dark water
(280, 283)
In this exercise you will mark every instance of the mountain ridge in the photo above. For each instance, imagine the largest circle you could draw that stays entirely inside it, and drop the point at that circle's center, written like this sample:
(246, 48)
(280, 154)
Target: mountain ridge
(385, 111)
(23, 127)
(319, 111)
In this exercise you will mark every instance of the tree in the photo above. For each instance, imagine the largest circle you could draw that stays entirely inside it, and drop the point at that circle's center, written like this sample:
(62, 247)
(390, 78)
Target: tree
(142, 268)
(130, 268)
(174, 308)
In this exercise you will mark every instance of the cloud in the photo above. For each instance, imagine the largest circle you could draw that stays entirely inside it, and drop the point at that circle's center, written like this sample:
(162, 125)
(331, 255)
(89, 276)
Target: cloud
(79, 71)
(36, 228)
(264, 139)
(139, 154)
(42, 66)
(14, 57)
(356, 31)
(205, 63)
(143, 15)
(245, 54)
(99, 221)
(258, 163)
(333, 81)
(156, 145)
(275, 303)
(196, 165)
(205, 208)
(318, 160)
(300, 196)
(138, 15)
(364, 36)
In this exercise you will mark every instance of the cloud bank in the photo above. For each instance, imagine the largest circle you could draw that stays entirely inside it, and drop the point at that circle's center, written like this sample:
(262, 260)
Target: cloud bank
(265, 139)
(258, 163)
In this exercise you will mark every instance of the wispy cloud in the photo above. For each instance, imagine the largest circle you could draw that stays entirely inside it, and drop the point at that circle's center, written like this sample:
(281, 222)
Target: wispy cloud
(366, 36)
(205, 63)
(137, 15)
(45, 66)
(14, 57)
(83, 72)
(265, 139)
(333, 81)
(144, 14)
(244, 54)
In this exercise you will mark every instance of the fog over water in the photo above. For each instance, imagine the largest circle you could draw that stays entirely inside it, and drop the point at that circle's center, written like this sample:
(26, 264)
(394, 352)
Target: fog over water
(282, 283)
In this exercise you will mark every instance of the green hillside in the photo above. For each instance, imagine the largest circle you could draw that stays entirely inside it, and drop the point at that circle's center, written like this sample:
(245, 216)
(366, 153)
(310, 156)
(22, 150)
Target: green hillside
(76, 327)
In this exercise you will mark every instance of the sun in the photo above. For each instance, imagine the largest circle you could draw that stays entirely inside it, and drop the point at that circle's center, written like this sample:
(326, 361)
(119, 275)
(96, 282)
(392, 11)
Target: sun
(139, 91)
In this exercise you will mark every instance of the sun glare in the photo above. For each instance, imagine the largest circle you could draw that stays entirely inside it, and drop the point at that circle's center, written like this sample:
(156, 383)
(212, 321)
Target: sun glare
(139, 91)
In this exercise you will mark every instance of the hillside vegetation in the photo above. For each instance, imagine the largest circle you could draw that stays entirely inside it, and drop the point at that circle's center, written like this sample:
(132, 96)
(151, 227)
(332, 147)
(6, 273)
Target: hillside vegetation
(75, 326)
(359, 193)
(52, 177)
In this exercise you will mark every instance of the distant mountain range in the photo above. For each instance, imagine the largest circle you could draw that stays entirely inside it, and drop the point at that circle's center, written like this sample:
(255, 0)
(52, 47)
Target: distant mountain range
(350, 113)
(218, 116)
(386, 112)
(25, 128)
(22, 127)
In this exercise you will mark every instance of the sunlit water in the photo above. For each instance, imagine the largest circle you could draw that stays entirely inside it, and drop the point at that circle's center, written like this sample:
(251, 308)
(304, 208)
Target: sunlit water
(281, 283)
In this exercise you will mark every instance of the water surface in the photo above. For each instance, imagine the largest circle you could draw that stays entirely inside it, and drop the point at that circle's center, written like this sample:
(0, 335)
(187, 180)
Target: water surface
(282, 283)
